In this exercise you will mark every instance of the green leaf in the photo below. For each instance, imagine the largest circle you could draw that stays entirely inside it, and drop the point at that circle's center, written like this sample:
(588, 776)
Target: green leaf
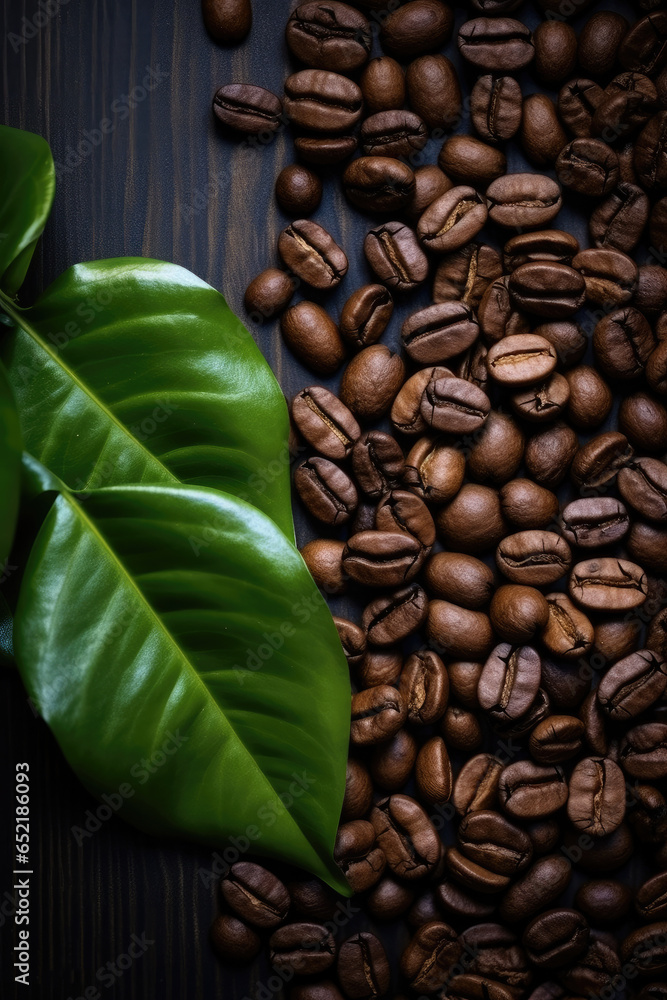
(27, 182)
(136, 371)
(10, 469)
(176, 630)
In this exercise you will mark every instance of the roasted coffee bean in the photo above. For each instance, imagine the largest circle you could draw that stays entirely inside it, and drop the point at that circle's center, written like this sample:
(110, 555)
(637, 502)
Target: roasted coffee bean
(312, 254)
(469, 161)
(616, 639)
(472, 366)
(656, 369)
(588, 166)
(358, 791)
(530, 791)
(643, 420)
(233, 941)
(323, 990)
(459, 904)
(325, 151)
(325, 422)
(407, 836)
(598, 462)
(555, 51)
(599, 41)
(378, 183)
(383, 85)
(649, 814)
(657, 222)
(393, 133)
(406, 410)
(403, 512)
(547, 289)
(549, 454)
(471, 987)
(461, 730)
(426, 908)
(590, 399)
(394, 254)
(353, 640)
(607, 853)
(476, 786)
(536, 889)
(423, 27)
(459, 632)
(644, 48)
(555, 938)
(541, 136)
(610, 276)
(594, 521)
(473, 521)
(439, 332)
(597, 969)
(298, 190)
(377, 714)
(377, 462)
(387, 620)
(509, 681)
(371, 381)
(430, 183)
(255, 894)
(460, 579)
(651, 898)
(534, 558)
(476, 878)
(527, 505)
(268, 294)
(434, 91)
(578, 101)
(650, 157)
(454, 406)
(389, 899)
(227, 21)
(604, 901)
(521, 359)
(497, 451)
(452, 220)
(643, 485)
(619, 221)
(302, 949)
(322, 101)
(380, 666)
(644, 751)
(363, 968)
(621, 113)
(495, 107)
(565, 686)
(466, 273)
(551, 245)
(568, 339)
(329, 35)
(324, 559)
(428, 958)
(523, 200)
(623, 342)
(366, 314)
(463, 680)
(382, 558)
(647, 543)
(494, 7)
(543, 402)
(556, 739)
(517, 613)
(608, 584)
(496, 44)
(492, 841)
(497, 316)
(497, 955)
(651, 295)
(433, 772)
(424, 687)
(327, 491)
(596, 803)
(247, 109)
(434, 470)
(645, 948)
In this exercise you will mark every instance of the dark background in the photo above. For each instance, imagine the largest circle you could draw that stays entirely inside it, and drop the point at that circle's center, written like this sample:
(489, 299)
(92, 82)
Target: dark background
(165, 183)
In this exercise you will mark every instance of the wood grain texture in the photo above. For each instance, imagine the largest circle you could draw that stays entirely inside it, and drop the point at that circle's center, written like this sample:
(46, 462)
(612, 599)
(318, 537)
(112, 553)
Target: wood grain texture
(165, 183)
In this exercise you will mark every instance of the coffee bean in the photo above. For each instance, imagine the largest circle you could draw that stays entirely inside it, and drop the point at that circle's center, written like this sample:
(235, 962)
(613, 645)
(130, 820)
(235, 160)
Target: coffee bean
(430, 183)
(568, 339)
(353, 640)
(387, 620)
(555, 51)
(452, 220)
(619, 221)
(472, 366)
(651, 294)
(227, 21)
(424, 26)
(598, 462)
(534, 558)
(389, 899)
(509, 681)
(459, 632)
(428, 958)
(454, 406)
(380, 666)
(378, 183)
(497, 316)
(460, 579)
(643, 484)
(523, 200)
(657, 221)
(548, 245)
(403, 512)
(656, 369)
(298, 190)
(407, 836)
(529, 791)
(643, 420)
(433, 772)
(492, 841)
(324, 990)
(590, 397)
(527, 505)
(646, 949)
(469, 161)
(608, 584)
(647, 544)
(322, 101)
(473, 521)
(555, 938)
(476, 786)
(366, 314)
(588, 166)
(393, 133)
(247, 109)
(434, 471)
(556, 739)
(329, 35)
(604, 901)
(495, 107)
(599, 42)
(392, 762)
(371, 381)
(543, 402)
(607, 853)
(233, 941)
(324, 559)
(496, 44)
(632, 685)
(476, 878)
(377, 714)
(325, 422)
(623, 342)
(358, 791)
(255, 894)
(383, 85)
(651, 899)
(594, 521)
(536, 889)
(327, 491)
(424, 686)
(463, 680)
(644, 751)
(325, 151)
(406, 409)
(616, 639)
(377, 461)
(472, 987)
(382, 558)
(650, 157)
(302, 949)
(434, 91)
(466, 273)
(542, 136)
(596, 803)
(363, 968)
(461, 730)
(394, 254)
(312, 254)
(268, 294)
(547, 289)
(517, 613)
(549, 454)
(498, 956)
(644, 48)
(439, 332)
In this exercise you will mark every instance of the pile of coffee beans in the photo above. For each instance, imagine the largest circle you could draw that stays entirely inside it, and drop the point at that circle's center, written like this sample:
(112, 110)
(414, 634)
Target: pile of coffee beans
(493, 495)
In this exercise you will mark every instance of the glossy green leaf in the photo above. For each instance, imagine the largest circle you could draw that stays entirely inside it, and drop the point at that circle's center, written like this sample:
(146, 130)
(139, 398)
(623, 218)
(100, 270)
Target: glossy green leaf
(136, 371)
(27, 183)
(10, 469)
(179, 625)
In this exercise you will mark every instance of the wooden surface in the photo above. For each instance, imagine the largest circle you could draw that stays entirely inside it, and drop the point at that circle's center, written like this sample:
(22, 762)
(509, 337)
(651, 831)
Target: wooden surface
(165, 183)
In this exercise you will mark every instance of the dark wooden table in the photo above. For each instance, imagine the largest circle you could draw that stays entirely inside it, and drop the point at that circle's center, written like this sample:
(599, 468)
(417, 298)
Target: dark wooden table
(165, 183)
